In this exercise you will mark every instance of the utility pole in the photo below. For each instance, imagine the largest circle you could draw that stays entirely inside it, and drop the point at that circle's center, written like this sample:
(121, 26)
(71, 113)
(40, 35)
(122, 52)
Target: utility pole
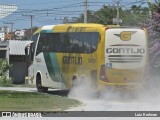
(11, 23)
(150, 13)
(117, 12)
(85, 11)
(31, 16)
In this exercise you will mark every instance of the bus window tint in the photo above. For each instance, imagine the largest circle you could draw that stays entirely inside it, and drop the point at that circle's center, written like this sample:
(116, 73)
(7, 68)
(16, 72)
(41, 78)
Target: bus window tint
(74, 42)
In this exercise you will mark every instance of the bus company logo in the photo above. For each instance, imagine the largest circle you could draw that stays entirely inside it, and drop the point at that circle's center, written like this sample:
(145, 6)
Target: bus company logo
(125, 35)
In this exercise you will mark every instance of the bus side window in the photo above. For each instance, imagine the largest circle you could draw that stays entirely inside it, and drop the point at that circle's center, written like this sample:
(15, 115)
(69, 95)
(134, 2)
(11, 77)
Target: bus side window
(65, 42)
(57, 43)
(94, 41)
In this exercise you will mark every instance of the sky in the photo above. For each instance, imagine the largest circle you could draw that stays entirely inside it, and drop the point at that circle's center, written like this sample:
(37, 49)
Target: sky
(48, 12)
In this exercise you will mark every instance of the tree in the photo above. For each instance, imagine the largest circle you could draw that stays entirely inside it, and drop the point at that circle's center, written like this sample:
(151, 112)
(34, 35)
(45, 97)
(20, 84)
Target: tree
(4, 68)
(153, 27)
(106, 13)
(91, 18)
(135, 16)
(130, 17)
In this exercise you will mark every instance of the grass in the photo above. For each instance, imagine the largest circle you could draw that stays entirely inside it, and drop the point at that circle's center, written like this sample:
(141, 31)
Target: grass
(6, 83)
(26, 101)
(24, 85)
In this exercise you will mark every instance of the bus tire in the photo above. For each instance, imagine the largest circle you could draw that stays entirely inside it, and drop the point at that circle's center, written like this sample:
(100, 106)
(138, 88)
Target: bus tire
(74, 81)
(39, 85)
(82, 79)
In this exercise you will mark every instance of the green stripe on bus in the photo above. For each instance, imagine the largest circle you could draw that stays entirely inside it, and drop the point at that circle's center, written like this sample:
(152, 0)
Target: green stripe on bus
(56, 67)
(49, 65)
(53, 66)
(46, 31)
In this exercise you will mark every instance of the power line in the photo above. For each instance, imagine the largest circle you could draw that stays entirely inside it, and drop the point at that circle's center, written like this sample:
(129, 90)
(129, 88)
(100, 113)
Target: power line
(135, 15)
(31, 16)
(99, 18)
(57, 11)
(60, 7)
(11, 23)
(46, 3)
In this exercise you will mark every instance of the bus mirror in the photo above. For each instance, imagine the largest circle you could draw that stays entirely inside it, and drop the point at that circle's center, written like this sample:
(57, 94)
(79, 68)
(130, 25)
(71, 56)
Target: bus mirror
(26, 51)
(99, 37)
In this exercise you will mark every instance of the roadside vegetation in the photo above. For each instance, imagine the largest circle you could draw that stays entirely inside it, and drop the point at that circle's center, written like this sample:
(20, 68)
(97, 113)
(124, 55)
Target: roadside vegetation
(4, 69)
(153, 27)
(27, 101)
(136, 15)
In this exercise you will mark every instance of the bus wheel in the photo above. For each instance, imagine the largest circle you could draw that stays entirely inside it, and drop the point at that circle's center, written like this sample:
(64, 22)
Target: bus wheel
(74, 81)
(39, 85)
(82, 80)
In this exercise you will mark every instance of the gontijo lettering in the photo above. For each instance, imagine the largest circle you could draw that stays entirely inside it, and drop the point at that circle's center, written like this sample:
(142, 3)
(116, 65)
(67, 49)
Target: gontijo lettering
(126, 50)
(72, 60)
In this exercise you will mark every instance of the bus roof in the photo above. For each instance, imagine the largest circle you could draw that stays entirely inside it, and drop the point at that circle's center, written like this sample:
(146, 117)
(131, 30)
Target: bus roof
(70, 27)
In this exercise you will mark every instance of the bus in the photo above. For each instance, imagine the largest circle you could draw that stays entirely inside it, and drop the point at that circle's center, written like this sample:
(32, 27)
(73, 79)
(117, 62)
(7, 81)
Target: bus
(106, 55)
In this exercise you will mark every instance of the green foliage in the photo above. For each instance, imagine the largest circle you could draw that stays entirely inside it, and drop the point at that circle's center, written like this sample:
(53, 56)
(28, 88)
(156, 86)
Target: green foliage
(153, 7)
(134, 16)
(106, 13)
(102, 16)
(153, 27)
(4, 69)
